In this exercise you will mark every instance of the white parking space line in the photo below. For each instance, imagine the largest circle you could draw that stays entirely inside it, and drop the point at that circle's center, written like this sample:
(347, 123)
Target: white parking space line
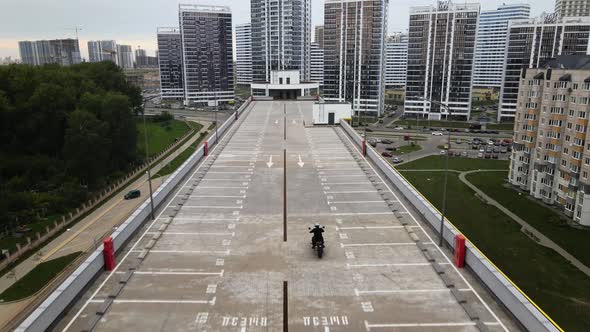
(344, 183)
(210, 196)
(192, 252)
(205, 219)
(357, 202)
(179, 273)
(210, 172)
(368, 227)
(406, 291)
(158, 301)
(390, 244)
(362, 213)
(348, 265)
(341, 169)
(211, 207)
(342, 176)
(195, 233)
(219, 187)
(352, 192)
(369, 326)
(427, 235)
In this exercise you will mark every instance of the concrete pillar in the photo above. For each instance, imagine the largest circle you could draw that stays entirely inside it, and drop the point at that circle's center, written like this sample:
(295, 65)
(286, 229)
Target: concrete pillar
(17, 247)
(38, 236)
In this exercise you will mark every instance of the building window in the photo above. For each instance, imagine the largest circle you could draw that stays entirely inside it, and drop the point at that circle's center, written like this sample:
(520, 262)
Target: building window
(582, 115)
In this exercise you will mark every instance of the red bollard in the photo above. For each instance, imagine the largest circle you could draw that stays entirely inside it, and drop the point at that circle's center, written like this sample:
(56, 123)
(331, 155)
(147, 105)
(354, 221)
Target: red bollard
(109, 254)
(206, 148)
(364, 146)
(459, 250)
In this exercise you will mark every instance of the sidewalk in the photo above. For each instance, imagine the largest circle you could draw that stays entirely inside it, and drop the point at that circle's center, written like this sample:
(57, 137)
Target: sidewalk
(90, 231)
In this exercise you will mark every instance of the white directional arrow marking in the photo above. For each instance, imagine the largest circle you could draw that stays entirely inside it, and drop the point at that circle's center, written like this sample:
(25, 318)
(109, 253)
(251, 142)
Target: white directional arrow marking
(276, 121)
(300, 163)
(269, 163)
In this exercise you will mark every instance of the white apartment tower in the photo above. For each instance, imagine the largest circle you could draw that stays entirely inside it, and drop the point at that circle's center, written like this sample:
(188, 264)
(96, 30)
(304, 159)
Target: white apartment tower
(102, 50)
(572, 8)
(281, 37)
(396, 63)
(244, 53)
(354, 53)
(491, 43)
(317, 63)
(441, 54)
(170, 63)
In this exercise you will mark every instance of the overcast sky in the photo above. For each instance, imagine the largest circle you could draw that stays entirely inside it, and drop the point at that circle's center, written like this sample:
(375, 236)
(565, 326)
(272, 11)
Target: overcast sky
(134, 22)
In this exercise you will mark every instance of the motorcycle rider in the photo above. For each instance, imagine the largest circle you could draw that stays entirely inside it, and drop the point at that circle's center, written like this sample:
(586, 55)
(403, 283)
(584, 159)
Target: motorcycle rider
(317, 235)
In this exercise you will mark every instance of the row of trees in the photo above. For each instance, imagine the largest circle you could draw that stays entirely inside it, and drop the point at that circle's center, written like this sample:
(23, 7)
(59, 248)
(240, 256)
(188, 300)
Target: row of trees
(64, 131)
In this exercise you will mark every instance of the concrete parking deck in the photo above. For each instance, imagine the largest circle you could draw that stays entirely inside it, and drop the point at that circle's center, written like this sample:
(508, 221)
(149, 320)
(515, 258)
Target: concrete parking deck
(216, 259)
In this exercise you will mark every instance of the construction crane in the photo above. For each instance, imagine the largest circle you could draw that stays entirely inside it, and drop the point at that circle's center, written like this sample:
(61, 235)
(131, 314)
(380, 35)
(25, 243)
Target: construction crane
(76, 28)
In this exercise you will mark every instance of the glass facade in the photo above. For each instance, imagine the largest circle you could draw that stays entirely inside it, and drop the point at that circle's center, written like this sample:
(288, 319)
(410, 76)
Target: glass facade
(170, 62)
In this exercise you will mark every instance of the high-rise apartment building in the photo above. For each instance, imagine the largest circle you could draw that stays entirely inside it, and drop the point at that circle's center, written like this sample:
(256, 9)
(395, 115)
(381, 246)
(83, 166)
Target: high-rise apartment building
(65, 52)
(354, 53)
(491, 43)
(102, 50)
(141, 58)
(317, 64)
(396, 61)
(572, 8)
(319, 36)
(206, 33)
(441, 54)
(551, 152)
(281, 37)
(125, 56)
(170, 63)
(243, 54)
(532, 42)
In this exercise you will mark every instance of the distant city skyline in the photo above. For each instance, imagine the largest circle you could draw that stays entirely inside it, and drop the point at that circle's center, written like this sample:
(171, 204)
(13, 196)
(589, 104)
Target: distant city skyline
(139, 20)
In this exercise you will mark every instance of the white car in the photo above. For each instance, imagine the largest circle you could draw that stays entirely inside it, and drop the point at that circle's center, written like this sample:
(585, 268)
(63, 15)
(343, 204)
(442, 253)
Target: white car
(437, 133)
(399, 128)
(443, 152)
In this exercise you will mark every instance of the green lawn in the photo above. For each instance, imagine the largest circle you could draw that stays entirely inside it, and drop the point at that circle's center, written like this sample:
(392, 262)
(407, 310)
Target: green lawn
(37, 278)
(160, 135)
(182, 157)
(544, 219)
(560, 289)
(455, 163)
(407, 149)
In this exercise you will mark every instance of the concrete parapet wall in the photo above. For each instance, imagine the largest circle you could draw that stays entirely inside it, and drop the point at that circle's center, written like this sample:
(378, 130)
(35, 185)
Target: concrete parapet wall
(517, 302)
(62, 297)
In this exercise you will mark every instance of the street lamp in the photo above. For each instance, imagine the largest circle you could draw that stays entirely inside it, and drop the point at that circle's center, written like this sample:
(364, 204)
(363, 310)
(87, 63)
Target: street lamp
(148, 163)
(444, 200)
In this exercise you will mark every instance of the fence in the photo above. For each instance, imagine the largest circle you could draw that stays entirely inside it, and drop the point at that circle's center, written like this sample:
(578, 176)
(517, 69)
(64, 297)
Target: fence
(519, 304)
(38, 239)
(57, 302)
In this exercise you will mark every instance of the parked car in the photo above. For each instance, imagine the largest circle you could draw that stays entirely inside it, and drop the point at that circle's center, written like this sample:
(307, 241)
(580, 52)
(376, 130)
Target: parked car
(397, 160)
(490, 142)
(437, 133)
(390, 148)
(480, 155)
(443, 152)
(464, 154)
(399, 128)
(372, 142)
(504, 149)
(369, 130)
(496, 149)
(133, 194)
(475, 146)
(386, 141)
(459, 141)
(386, 154)
(482, 150)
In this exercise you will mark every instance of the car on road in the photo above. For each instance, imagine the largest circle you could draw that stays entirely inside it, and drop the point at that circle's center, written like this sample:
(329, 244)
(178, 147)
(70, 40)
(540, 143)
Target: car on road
(397, 160)
(390, 148)
(386, 141)
(459, 141)
(386, 154)
(133, 194)
(443, 152)
(399, 128)
(437, 133)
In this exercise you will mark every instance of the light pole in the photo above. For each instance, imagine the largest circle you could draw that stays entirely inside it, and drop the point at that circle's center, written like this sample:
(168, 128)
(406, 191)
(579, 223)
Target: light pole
(148, 163)
(444, 200)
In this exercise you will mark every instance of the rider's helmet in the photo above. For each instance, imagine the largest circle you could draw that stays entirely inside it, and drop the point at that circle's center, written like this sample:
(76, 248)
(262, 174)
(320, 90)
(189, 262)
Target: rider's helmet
(317, 225)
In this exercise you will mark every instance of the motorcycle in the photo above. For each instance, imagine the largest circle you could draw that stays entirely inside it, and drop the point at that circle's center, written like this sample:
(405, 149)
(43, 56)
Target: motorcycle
(319, 246)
